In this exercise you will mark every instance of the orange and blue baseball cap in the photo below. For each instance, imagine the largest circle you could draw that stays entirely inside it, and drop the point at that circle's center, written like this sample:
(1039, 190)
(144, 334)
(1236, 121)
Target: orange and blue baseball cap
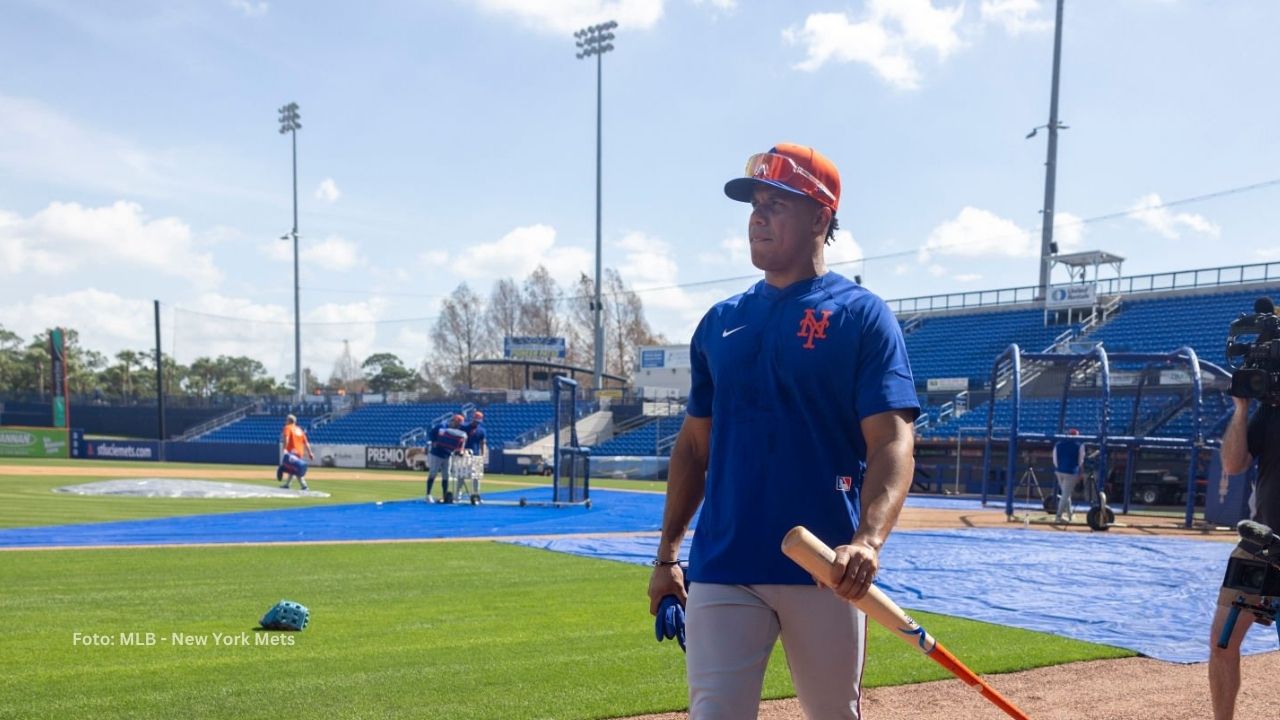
(795, 168)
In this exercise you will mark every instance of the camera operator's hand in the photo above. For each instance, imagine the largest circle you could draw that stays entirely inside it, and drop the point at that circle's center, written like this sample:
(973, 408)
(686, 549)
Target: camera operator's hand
(1242, 404)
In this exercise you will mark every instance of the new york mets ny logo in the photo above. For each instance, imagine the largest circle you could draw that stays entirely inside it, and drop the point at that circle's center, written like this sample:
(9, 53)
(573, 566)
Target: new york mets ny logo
(811, 327)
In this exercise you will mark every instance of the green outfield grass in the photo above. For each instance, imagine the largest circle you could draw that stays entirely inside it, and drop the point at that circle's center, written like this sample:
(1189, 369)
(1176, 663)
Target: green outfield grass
(425, 630)
(29, 500)
(420, 630)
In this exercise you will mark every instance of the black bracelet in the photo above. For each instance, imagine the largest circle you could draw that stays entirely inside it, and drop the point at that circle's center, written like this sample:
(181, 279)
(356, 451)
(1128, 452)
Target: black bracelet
(664, 563)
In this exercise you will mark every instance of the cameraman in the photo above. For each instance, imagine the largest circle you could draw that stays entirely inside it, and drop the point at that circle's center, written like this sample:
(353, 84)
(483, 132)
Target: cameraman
(1244, 440)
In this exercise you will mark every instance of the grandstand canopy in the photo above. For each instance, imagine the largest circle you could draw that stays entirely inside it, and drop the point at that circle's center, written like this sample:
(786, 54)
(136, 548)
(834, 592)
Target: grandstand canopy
(1078, 264)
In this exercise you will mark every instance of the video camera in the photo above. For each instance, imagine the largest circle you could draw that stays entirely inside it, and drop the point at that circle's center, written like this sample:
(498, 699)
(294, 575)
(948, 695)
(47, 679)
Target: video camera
(1255, 365)
(1260, 573)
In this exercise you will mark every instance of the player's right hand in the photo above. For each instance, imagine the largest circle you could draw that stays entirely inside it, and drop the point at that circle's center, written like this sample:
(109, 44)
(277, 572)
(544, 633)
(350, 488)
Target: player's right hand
(666, 580)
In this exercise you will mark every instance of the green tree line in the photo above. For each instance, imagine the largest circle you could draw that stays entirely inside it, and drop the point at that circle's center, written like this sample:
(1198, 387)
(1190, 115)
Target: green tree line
(469, 327)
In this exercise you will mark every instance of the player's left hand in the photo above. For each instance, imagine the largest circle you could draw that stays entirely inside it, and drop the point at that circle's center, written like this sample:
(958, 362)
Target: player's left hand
(854, 570)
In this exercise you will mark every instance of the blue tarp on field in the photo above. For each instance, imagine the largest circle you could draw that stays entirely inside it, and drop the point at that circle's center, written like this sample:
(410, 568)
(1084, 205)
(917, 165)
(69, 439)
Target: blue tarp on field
(1152, 595)
(611, 511)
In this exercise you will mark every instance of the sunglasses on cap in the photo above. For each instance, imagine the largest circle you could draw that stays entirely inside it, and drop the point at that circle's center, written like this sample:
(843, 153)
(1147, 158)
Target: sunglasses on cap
(782, 169)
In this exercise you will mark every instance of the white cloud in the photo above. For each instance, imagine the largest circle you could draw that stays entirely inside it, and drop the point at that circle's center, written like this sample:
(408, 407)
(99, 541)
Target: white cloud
(38, 142)
(411, 346)
(328, 191)
(887, 40)
(968, 277)
(1167, 223)
(332, 253)
(845, 250)
(517, 253)
(67, 236)
(566, 16)
(1269, 254)
(976, 233)
(732, 255)
(214, 324)
(106, 322)
(250, 8)
(1068, 231)
(938, 270)
(433, 258)
(718, 4)
(1015, 16)
(647, 260)
(649, 264)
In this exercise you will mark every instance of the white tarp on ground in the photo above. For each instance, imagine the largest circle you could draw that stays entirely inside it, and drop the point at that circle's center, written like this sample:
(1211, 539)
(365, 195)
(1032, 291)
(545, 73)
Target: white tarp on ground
(180, 488)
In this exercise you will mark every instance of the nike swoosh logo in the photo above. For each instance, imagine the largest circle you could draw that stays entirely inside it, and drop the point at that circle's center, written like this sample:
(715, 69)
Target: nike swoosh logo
(727, 333)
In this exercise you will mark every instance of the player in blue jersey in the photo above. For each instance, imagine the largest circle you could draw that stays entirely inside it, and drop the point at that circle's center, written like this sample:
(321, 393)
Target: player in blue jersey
(800, 413)
(478, 449)
(447, 439)
(1068, 465)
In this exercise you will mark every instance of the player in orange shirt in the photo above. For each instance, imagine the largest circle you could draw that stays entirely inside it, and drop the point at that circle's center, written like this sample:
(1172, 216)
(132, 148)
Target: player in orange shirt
(295, 442)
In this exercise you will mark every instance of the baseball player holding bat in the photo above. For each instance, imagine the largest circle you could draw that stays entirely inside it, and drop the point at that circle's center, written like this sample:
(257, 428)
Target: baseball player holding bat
(800, 413)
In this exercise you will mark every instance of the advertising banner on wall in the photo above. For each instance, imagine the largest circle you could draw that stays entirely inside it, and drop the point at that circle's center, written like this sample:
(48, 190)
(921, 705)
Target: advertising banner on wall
(1070, 296)
(664, 356)
(395, 457)
(343, 456)
(947, 384)
(32, 442)
(88, 449)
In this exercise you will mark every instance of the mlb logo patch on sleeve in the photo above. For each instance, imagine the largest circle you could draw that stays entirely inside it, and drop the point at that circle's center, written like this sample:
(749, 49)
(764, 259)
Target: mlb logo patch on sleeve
(844, 483)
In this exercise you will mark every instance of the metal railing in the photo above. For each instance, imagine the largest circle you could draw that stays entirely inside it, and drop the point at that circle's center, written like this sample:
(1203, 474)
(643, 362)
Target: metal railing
(912, 323)
(1128, 285)
(336, 414)
(225, 419)
(412, 437)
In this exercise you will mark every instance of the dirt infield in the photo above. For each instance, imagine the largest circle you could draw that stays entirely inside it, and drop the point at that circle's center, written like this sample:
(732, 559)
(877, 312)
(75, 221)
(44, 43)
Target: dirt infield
(1127, 689)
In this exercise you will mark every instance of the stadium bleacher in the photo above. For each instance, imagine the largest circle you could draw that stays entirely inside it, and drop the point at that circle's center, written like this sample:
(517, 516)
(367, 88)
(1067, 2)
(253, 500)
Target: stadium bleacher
(954, 346)
(940, 346)
(385, 424)
(1146, 323)
(1162, 324)
(642, 440)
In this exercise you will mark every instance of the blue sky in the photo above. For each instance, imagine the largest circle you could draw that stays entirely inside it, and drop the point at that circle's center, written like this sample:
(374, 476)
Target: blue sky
(454, 140)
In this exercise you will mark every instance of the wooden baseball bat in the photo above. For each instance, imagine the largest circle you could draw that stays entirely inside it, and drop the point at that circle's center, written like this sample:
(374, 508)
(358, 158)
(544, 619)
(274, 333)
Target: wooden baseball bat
(813, 555)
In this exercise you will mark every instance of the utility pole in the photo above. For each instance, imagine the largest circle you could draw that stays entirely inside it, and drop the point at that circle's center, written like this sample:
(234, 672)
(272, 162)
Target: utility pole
(1047, 246)
(597, 40)
(289, 118)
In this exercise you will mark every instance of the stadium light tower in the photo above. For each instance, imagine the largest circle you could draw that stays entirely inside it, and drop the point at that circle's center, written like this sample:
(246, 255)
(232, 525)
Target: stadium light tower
(289, 118)
(1047, 246)
(597, 40)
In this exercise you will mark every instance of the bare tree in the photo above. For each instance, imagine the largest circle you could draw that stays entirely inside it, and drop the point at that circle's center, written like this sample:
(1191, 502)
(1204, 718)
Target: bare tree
(346, 372)
(580, 323)
(502, 320)
(539, 312)
(627, 329)
(458, 337)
